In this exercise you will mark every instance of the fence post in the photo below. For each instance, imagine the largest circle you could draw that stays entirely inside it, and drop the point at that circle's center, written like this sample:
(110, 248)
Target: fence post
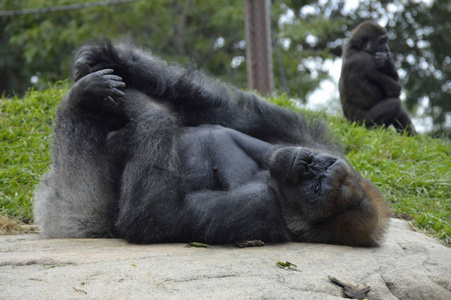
(258, 46)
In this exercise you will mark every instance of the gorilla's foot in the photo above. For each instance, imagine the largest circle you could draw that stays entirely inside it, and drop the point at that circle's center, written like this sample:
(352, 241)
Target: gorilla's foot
(93, 57)
(82, 67)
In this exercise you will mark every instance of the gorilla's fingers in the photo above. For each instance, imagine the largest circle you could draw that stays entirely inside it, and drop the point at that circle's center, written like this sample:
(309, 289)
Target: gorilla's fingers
(115, 84)
(381, 58)
(114, 81)
(104, 72)
(117, 93)
(113, 77)
(111, 100)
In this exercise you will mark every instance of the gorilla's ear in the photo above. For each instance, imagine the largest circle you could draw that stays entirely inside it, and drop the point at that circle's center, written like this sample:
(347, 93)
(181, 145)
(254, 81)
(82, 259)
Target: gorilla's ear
(359, 42)
(363, 41)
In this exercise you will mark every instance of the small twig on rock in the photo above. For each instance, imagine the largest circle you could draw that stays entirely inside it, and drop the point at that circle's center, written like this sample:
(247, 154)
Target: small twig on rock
(287, 266)
(197, 245)
(77, 290)
(350, 290)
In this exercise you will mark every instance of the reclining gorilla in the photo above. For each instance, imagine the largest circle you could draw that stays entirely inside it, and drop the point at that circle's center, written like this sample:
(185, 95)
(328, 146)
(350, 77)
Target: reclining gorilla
(164, 154)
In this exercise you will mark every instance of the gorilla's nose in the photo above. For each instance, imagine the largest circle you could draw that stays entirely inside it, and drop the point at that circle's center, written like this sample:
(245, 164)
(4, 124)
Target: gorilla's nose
(305, 171)
(302, 167)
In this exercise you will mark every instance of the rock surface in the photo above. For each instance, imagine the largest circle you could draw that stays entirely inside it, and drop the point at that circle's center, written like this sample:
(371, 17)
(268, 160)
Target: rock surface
(409, 265)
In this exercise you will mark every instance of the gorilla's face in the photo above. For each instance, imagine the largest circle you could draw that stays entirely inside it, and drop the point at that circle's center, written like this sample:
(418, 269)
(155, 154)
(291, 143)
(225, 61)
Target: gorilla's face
(312, 186)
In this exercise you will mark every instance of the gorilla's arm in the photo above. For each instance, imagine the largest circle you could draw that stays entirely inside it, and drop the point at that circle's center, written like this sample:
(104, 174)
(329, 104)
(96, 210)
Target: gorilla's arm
(369, 79)
(386, 64)
(197, 98)
(245, 213)
(389, 84)
(391, 87)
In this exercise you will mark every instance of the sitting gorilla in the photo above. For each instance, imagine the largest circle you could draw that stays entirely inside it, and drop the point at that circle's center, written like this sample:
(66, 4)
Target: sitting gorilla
(369, 83)
(164, 154)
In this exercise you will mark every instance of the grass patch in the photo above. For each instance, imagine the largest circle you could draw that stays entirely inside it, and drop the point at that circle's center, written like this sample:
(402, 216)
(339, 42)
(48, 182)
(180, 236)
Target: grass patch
(25, 135)
(414, 173)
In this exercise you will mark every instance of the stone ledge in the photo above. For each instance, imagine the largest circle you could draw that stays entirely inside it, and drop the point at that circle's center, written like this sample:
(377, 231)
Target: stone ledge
(409, 265)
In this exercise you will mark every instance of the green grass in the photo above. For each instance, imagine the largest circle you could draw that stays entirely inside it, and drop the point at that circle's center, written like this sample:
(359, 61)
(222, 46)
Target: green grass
(414, 173)
(25, 135)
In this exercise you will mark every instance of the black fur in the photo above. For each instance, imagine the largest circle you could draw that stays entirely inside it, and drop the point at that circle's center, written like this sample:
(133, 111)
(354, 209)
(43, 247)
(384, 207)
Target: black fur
(176, 156)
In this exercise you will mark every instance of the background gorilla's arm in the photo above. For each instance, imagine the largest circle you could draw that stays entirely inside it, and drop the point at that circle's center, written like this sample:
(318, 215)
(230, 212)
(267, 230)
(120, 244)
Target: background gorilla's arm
(386, 64)
(365, 83)
(198, 99)
(384, 75)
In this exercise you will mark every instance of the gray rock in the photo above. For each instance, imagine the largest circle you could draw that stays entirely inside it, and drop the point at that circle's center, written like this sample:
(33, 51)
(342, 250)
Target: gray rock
(409, 265)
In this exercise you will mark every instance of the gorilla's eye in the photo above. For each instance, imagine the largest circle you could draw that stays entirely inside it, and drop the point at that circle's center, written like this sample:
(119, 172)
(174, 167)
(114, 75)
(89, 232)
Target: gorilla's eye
(319, 184)
(317, 187)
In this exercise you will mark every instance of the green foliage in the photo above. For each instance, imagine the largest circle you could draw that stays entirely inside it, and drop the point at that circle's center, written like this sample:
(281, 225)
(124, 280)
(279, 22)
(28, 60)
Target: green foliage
(414, 173)
(182, 31)
(305, 34)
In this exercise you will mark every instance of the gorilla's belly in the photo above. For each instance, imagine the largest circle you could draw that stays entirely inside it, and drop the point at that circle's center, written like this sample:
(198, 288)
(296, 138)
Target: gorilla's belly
(218, 158)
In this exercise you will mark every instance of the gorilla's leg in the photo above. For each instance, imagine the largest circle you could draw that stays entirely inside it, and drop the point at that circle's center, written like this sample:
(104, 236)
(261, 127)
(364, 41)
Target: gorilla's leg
(404, 123)
(389, 112)
(78, 198)
(196, 98)
(383, 113)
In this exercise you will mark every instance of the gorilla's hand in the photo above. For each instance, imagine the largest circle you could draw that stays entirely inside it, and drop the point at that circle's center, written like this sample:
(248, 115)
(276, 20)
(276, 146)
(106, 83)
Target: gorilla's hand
(382, 59)
(97, 91)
